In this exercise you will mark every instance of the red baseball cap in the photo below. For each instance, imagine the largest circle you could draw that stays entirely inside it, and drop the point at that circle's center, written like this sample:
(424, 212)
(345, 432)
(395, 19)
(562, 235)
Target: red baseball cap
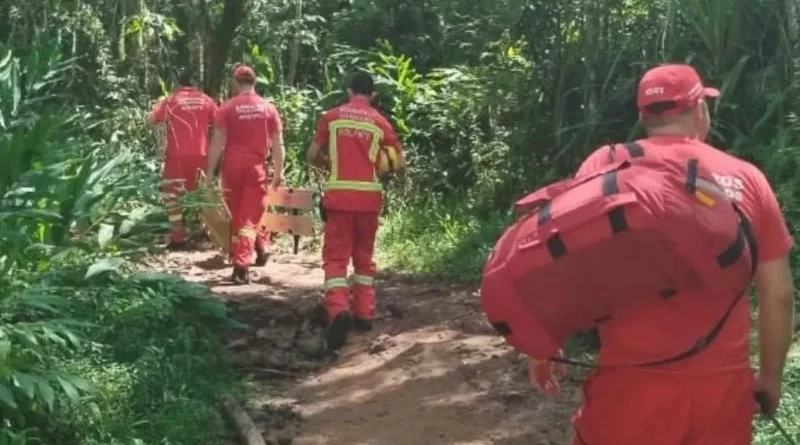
(244, 72)
(676, 83)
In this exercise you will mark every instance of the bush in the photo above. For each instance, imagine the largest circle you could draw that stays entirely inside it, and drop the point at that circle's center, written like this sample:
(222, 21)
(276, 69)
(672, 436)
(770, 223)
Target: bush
(90, 350)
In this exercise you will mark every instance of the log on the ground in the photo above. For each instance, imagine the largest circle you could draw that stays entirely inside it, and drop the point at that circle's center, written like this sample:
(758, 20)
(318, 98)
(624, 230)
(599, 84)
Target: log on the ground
(245, 428)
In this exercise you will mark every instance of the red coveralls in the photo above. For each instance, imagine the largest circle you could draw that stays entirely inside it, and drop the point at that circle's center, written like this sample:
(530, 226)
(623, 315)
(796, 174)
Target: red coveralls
(353, 134)
(707, 399)
(250, 122)
(187, 113)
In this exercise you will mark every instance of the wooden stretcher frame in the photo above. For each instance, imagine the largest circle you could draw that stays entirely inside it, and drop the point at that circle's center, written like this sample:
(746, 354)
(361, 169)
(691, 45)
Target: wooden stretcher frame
(298, 202)
(216, 219)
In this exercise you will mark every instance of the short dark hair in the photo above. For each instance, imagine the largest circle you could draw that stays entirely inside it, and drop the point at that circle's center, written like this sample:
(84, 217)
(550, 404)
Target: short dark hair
(659, 108)
(362, 84)
(185, 78)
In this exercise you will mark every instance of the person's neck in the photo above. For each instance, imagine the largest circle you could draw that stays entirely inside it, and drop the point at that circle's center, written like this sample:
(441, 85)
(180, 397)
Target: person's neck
(672, 131)
(246, 89)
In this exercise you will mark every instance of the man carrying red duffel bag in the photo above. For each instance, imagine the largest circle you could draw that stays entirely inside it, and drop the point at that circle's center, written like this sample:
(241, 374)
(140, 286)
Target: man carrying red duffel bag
(654, 243)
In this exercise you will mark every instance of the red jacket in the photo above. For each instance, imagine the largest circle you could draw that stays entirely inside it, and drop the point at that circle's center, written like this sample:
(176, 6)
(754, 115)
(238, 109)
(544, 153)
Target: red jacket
(353, 134)
(187, 112)
(250, 122)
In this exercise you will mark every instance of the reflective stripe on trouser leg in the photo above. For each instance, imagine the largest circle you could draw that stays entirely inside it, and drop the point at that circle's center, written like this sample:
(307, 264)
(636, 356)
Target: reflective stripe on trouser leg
(337, 296)
(337, 245)
(366, 226)
(364, 297)
(242, 247)
(364, 280)
(175, 217)
(177, 233)
(248, 198)
(262, 240)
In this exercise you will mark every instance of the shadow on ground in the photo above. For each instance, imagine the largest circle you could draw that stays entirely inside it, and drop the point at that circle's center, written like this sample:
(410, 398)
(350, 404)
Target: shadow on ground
(432, 372)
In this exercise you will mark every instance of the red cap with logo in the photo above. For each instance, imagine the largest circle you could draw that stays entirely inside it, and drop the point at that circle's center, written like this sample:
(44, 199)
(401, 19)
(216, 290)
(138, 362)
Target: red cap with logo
(244, 72)
(676, 83)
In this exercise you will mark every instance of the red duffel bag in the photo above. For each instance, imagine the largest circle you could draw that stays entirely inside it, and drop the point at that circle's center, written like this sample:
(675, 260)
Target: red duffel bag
(620, 238)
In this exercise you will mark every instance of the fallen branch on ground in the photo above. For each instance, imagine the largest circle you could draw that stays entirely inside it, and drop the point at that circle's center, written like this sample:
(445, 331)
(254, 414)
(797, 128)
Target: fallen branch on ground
(268, 371)
(245, 428)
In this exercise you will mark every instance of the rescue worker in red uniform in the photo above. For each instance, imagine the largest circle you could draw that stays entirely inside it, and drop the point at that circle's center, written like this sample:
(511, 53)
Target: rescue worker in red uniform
(708, 398)
(187, 114)
(247, 129)
(263, 239)
(349, 138)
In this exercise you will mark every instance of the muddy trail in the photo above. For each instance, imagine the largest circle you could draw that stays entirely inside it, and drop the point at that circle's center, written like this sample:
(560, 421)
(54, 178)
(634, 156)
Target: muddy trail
(431, 372)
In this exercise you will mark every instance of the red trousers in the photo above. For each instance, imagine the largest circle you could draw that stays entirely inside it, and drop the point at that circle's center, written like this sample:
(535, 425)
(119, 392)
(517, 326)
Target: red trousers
(181, 172)
(349, 235)
(245, 192)
(635, 407)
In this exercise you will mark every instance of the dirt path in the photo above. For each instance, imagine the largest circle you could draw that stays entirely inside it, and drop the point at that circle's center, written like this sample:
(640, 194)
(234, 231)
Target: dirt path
(432, 371)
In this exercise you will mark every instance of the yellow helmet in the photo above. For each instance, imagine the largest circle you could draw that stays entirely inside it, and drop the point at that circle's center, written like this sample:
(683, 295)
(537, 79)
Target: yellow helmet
(387, 160)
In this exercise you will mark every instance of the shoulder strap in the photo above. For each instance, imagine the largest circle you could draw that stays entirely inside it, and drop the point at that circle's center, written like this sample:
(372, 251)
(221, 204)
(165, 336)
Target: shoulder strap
(633, 148)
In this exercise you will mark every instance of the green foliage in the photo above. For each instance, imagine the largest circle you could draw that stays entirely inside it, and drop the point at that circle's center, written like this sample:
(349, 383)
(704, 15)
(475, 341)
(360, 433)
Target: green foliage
(89, 351)
(445, 240)
(492, 99)
(154, 358)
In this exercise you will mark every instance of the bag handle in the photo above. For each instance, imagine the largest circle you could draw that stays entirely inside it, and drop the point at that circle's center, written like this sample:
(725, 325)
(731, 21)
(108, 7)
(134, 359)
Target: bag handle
(537, 199)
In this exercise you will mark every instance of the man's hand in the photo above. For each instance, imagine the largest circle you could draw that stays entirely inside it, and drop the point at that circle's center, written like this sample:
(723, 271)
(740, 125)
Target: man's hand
(321, 161)
(215, 149)
(775, 288)
(770, 387)
(277, 180)
(544, 375)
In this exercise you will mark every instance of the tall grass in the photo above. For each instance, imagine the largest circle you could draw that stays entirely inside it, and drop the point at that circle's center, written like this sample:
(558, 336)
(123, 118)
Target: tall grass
(444, 239)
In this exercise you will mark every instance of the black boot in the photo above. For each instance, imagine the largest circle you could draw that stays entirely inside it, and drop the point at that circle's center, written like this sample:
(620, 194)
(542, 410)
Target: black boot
(362, 325)
(240, 275)
(336, 334)
(176, 246)
(261, 256)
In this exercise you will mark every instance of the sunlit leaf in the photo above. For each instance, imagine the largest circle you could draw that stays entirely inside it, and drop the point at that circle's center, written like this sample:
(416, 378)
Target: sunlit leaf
(104, 235)
(102, 266)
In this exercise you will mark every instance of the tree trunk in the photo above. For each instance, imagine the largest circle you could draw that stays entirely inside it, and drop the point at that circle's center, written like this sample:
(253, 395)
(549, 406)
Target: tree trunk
(791, 20)
(295, 54)
(219, 50)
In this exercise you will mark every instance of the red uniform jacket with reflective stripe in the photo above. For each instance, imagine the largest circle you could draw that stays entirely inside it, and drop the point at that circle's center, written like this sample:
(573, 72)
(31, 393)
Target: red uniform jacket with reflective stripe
(352, 134)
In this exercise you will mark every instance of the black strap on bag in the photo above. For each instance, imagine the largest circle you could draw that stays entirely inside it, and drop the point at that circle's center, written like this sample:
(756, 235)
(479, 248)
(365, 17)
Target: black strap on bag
(633, 148)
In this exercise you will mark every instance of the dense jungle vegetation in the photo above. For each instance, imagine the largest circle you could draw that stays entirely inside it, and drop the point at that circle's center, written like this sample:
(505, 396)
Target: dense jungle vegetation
(491, 98)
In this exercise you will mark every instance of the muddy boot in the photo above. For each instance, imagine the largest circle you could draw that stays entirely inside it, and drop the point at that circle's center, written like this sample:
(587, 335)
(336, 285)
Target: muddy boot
(240, 275)
(336, 334)
(362, 325)
(261, 256)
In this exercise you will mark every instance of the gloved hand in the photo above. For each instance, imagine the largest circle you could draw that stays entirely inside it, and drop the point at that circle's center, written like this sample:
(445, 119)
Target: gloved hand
(544, 375)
